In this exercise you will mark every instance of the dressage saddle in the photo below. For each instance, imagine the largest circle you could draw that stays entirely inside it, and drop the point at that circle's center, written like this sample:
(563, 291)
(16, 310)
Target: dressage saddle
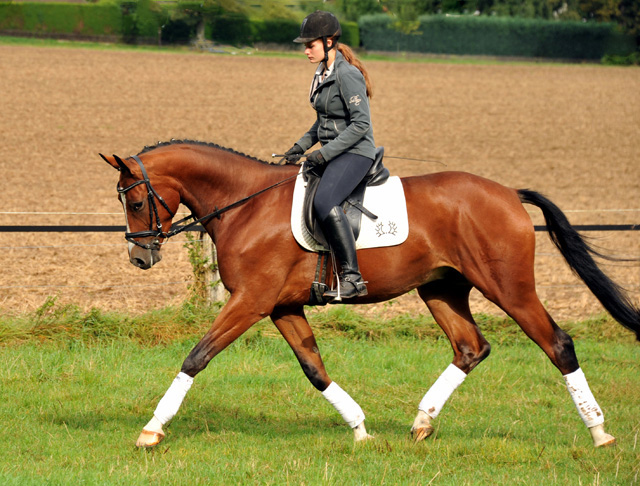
(352, 206)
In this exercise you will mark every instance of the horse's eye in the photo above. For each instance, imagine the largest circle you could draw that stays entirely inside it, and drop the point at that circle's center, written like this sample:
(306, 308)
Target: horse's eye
(137, 206)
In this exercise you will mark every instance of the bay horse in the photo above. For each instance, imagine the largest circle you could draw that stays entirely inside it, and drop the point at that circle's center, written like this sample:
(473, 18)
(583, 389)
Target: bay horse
(465, 231)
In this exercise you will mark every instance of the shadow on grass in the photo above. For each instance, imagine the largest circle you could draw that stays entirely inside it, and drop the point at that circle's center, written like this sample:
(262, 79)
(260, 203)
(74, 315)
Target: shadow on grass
(220, 419)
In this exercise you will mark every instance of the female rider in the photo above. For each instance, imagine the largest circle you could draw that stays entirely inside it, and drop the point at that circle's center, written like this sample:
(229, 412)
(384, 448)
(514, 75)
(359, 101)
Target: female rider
(340, 92)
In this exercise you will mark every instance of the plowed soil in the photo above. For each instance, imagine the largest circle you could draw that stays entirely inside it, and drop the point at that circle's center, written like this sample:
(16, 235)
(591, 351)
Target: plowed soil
(571, 132)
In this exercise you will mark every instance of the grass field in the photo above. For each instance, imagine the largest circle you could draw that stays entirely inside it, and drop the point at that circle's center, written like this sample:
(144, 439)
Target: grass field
(74, 404)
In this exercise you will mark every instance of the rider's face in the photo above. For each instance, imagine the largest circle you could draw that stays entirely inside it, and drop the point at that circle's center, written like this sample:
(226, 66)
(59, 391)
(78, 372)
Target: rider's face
(314, 50)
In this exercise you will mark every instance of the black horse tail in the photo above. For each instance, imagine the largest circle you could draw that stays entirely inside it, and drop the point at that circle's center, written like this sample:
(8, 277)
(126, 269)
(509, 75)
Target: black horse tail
(577, 252)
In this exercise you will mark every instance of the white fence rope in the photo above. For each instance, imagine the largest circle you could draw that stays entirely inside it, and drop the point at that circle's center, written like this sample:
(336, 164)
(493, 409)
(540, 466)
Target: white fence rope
(103, 286)
(61, 213)
(38, 247)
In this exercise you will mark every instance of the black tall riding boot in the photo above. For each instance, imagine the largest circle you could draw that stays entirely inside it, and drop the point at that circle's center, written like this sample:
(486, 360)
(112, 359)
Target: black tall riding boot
(339, 235)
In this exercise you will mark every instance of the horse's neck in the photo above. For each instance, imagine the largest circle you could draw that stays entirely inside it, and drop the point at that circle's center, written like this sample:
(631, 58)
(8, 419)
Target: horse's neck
(220, 179)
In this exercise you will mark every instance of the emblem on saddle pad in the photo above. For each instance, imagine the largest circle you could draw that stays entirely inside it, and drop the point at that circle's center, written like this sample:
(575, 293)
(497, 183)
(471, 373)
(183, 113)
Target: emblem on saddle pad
(378, 215)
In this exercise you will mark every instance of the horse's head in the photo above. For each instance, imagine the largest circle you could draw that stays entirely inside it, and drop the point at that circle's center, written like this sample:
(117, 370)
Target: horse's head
(148, 209)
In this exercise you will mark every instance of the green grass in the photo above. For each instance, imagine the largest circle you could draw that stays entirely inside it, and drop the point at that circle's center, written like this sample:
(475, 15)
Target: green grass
(222, 50)
(74, 402)
(64, 43)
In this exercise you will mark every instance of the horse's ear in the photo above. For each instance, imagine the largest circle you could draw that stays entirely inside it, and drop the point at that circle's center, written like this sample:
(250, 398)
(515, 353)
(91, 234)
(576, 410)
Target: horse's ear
(116, 162)
(121, 164)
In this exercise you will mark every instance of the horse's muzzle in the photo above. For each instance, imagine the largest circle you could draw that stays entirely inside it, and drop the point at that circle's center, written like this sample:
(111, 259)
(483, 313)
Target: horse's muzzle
(143, 258)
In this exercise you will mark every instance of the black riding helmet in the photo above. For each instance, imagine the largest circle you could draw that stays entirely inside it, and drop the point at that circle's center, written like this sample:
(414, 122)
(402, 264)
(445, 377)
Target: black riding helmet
(319, 25)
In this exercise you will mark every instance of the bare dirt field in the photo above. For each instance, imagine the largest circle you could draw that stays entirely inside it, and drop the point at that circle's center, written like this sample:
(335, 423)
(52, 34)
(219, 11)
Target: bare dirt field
(571, 132)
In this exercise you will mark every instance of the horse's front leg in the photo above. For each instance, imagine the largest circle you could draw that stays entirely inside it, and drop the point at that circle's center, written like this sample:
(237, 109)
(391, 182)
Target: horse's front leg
(234, 319)
(293, 325)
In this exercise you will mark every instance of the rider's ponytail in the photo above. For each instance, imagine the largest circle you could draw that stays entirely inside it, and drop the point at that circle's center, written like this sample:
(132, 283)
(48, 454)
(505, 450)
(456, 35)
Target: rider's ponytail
(352, 59)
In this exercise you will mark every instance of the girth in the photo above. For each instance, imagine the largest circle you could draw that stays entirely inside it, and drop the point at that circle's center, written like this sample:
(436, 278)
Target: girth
(352, 206)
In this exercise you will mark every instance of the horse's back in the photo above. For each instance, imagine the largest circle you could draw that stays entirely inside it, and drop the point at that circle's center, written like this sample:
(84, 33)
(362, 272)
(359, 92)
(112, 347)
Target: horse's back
(462, 195)
(459, 185)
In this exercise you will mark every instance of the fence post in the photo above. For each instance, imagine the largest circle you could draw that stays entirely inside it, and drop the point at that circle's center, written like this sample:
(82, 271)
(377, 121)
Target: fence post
(215, 290)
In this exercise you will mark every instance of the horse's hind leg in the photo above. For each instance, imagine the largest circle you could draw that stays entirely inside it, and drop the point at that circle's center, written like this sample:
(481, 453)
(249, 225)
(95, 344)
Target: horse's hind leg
(293, 325)
(448, 301)
(523, 305)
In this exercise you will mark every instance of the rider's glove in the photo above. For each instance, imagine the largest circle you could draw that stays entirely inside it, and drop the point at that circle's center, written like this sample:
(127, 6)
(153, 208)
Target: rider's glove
(293, 154)
(315, 158)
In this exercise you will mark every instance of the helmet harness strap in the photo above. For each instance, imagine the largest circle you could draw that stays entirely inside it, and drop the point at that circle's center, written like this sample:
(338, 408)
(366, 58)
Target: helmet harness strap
(334, 44)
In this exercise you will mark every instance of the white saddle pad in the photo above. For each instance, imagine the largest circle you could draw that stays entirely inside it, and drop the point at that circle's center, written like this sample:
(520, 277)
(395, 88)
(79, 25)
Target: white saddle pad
(386, 201)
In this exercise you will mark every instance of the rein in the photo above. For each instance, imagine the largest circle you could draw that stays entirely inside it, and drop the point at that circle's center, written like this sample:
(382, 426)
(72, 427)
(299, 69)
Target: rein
(152, 195)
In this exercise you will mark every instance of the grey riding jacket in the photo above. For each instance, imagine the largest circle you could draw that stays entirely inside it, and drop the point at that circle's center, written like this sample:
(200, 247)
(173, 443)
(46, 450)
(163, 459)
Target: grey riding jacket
(343, 122)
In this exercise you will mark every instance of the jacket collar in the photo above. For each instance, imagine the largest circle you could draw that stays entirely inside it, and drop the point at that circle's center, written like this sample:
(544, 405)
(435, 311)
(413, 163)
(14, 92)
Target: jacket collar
(338, 60)
(315, 83)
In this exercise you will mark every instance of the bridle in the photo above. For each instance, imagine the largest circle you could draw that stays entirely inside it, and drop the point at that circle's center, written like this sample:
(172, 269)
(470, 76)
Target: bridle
(152, 195)
(178, 226)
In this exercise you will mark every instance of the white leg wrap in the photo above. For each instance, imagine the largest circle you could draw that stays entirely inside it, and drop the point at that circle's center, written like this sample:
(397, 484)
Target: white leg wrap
(441, 390)
(588, 408)
(172, 399)
(344, 404)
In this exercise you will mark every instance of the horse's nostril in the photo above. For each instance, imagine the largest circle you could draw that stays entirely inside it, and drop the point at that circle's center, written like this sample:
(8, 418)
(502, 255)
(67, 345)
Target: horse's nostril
(140, 263)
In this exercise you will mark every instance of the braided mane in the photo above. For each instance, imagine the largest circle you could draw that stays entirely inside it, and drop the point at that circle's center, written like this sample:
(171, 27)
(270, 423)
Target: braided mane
(149, 148)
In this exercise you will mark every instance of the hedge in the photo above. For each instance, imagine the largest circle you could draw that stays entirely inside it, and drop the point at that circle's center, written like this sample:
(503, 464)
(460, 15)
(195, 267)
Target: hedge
(237, 29)
(61, 18)
(135, 20)
(497, 36)
(141, 19)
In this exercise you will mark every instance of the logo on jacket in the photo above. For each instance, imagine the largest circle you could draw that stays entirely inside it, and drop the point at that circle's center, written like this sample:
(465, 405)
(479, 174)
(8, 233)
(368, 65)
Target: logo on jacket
(355, 100)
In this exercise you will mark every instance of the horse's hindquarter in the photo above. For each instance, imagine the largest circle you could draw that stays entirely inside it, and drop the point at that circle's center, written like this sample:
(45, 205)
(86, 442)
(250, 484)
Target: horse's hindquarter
(456, 220)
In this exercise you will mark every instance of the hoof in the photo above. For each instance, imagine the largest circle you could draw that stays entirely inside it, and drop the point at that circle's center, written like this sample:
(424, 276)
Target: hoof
(421, 433)
(364, 438)
(360, 433)
(149, 438)
(600, 437)
(609, 440)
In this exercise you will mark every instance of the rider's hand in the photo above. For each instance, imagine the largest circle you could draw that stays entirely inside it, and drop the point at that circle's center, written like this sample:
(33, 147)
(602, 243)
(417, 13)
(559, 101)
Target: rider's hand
(315, 158)
(294, 153)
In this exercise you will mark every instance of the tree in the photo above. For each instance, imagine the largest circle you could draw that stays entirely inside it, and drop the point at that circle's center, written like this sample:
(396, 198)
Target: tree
(630, 18)
(625, 13)
(353, 9)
